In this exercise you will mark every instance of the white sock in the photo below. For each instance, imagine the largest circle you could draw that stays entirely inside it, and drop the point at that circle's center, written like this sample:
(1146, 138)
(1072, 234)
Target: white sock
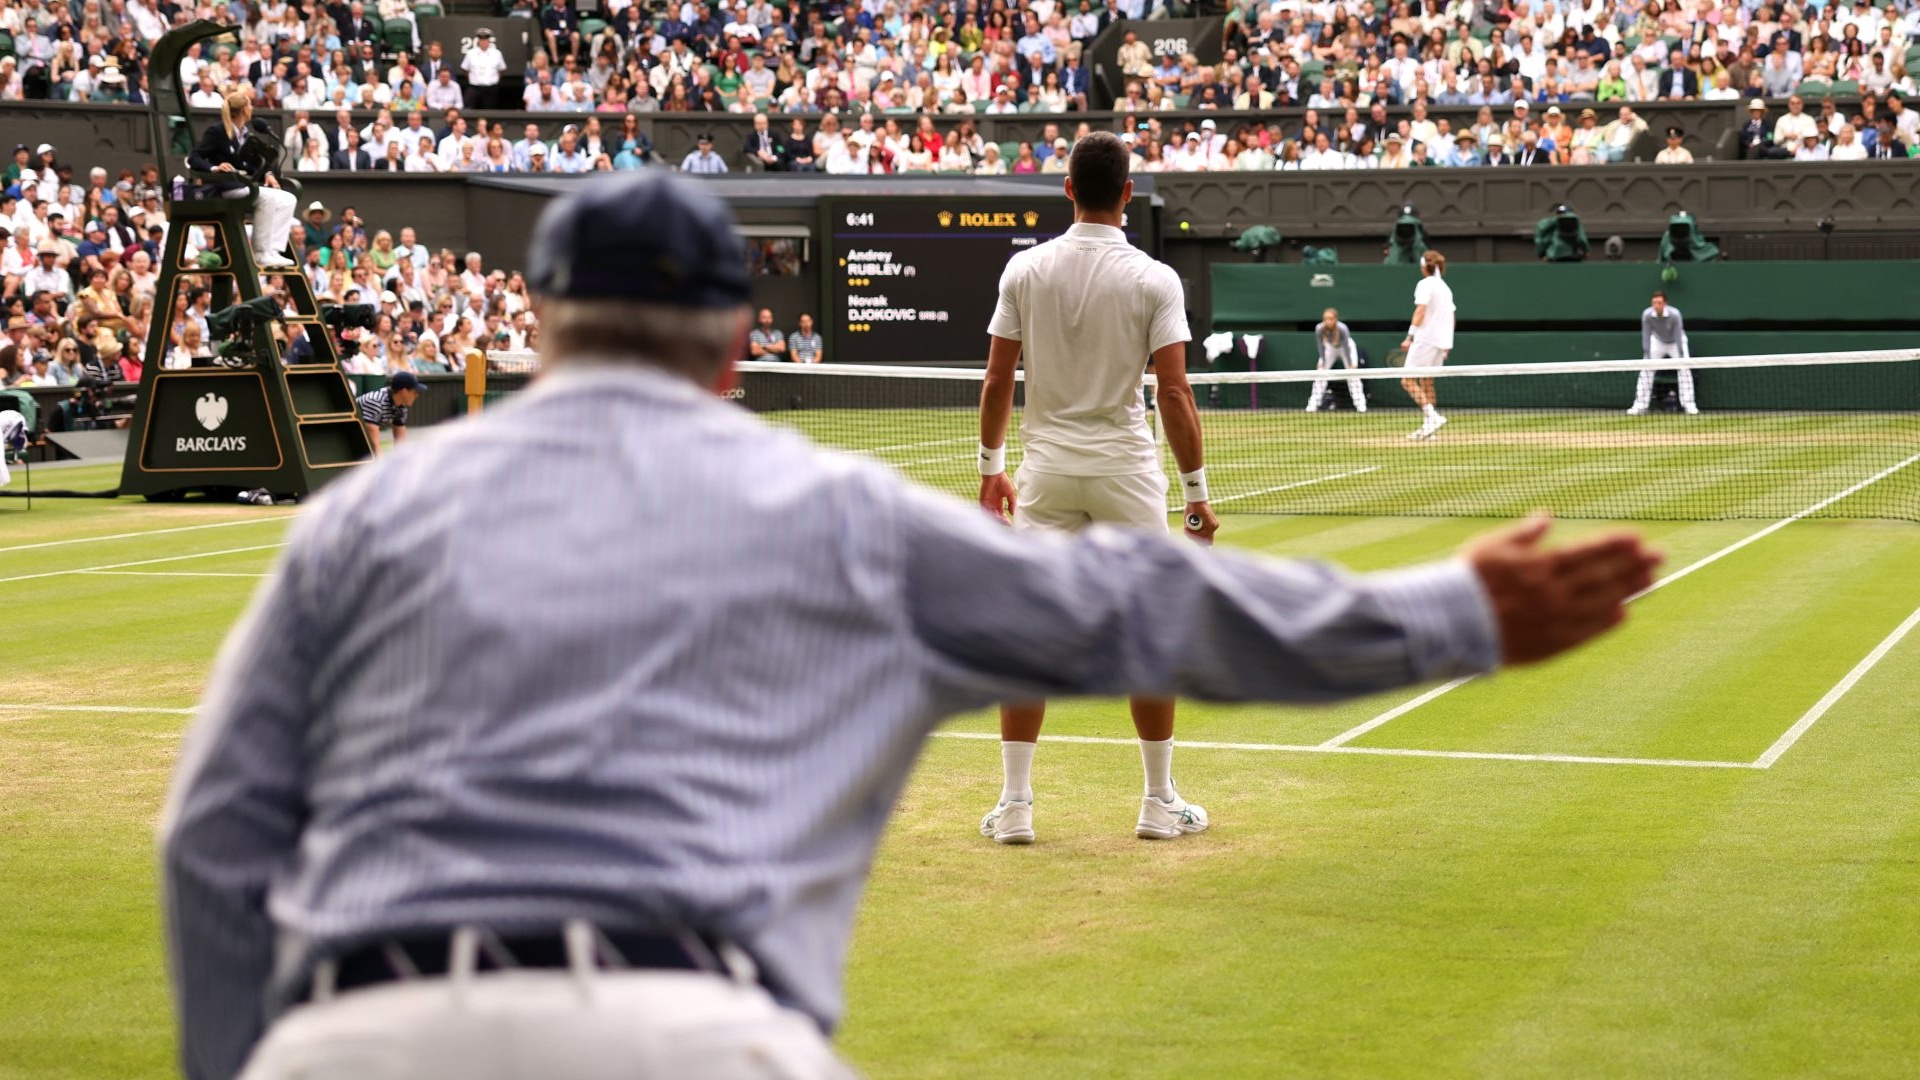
(1432, 413)
(1157, 759)
(1016, 764)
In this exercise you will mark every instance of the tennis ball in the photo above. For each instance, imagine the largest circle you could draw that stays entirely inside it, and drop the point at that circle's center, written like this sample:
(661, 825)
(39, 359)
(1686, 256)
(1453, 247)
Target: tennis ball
(1669, 273)
(1186, 226)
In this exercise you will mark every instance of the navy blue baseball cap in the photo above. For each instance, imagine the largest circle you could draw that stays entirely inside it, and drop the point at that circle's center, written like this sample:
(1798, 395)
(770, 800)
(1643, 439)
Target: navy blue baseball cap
(404, 380)
(643, 235)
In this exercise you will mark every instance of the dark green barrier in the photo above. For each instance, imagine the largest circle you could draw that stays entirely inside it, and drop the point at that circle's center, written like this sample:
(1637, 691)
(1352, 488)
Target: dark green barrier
(1805, 294)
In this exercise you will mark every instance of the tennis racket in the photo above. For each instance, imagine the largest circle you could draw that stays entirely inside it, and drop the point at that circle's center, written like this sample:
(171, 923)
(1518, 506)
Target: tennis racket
(1396, 357)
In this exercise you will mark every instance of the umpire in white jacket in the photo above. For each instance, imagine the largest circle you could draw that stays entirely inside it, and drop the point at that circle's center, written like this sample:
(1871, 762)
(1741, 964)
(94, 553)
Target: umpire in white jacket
(533, 758)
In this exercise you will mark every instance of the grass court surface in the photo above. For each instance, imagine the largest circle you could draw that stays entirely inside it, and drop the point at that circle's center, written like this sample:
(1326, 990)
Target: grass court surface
(1686, 851)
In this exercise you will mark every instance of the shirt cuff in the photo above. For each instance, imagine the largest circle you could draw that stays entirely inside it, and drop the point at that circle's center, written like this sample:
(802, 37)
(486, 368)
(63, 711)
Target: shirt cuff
(1446, 615)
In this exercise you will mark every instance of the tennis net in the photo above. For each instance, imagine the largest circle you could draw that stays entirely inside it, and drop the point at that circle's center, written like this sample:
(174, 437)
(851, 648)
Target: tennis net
(1808, 435)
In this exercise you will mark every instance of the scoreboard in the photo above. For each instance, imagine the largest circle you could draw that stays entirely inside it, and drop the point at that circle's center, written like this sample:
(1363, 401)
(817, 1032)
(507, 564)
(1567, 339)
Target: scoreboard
(914, 279)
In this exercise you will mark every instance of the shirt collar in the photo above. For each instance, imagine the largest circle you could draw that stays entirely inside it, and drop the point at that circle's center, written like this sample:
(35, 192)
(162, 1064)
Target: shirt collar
(599, 374)
(1088, 231)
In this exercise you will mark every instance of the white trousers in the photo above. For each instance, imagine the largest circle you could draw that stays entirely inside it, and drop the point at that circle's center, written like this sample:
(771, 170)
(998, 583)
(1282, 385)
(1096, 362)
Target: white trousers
(1664, 350)
(1355, 387)
(273, 213)
(549, 1025)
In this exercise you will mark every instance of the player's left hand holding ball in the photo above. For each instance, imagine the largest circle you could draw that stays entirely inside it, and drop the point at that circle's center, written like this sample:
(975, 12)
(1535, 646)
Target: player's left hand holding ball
(998, 496)
(1200, 523)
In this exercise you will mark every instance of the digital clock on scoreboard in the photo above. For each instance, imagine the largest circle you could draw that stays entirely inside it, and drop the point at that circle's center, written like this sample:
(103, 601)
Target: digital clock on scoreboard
(914, 279)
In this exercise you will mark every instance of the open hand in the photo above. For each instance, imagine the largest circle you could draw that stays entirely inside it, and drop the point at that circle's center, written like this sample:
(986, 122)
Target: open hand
(998, 496)
(1547, 602)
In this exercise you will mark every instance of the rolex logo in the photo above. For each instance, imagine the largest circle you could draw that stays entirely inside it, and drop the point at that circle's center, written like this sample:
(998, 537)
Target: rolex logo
(945, 218)
(1031, 218)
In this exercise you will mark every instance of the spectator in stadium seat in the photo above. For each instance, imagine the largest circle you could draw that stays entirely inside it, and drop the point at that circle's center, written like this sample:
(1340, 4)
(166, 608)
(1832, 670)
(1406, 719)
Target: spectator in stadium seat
(1887, 144)
(444, 93)
(1792, 129)
(560, 29)
(763, 149)
(351, 157)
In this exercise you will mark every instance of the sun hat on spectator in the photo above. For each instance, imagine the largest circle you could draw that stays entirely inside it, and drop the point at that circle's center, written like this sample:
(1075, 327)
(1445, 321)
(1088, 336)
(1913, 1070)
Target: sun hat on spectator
(1589, 114)
(1394, 136)
(1061, 143)
(47, 247)
(387, 297)
(647, 236)
(1209, 125)
(1756, 105)
(316, 207)
(1522, 105)
(1495, 140)
(45, 148)
(1465, 136)
(1553, 110)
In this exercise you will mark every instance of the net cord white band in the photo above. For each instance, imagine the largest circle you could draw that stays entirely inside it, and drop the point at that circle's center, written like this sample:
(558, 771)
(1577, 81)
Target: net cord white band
(1308, 375)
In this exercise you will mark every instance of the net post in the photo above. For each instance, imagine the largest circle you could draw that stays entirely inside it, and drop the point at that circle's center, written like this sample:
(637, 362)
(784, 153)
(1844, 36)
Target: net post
(476, 374)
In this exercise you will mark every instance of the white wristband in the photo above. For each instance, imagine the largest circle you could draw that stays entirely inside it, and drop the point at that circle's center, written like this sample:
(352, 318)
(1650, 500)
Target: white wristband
(1193, 485)
(993, 460)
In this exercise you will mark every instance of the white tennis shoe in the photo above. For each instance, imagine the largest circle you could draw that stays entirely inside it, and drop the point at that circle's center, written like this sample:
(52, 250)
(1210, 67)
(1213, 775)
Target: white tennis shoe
(1637, 410)
(1010, 823)
(1432, 424)
(1167, 820)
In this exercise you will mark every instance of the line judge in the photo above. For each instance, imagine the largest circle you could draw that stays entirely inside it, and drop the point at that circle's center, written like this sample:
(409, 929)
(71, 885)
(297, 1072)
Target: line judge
(533, 759)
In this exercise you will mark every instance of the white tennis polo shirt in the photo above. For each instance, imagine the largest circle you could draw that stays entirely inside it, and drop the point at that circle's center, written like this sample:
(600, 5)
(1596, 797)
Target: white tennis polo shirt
(1088, 309)
(1436, 330)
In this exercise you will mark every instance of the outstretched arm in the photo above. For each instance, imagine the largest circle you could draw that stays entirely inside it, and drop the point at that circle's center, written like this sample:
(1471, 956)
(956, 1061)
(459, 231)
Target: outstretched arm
(1006, 617)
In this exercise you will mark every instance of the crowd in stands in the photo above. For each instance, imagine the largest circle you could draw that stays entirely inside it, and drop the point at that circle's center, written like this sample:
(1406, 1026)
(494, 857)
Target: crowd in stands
(79, 265)
(899, 58)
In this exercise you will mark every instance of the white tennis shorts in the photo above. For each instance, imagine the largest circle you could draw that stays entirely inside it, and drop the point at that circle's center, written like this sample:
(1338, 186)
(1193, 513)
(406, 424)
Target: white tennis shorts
(1425, 355)
(1058, 503)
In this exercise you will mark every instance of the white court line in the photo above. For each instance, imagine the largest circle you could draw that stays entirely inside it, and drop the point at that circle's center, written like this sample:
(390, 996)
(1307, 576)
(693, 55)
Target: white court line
(140, 562)
(33, 707)
(166, 575)
(1296, 484)
(1372, 751)
(1785, 742)
(146, 532)
(1406, 707)
(1379, 751)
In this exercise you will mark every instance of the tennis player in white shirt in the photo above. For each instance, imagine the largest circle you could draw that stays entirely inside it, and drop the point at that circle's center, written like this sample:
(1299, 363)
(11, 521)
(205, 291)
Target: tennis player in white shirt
(1086, 312)
(1429, 339)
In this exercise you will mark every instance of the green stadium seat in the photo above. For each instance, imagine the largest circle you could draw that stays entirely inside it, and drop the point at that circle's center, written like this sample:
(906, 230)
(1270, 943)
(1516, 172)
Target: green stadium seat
(6, 44)
(590, 28)
(427, 11)
(765, 103)
(1845, 88)
(1313, 69)
(1814, 88)
(1009, 150)
(1913, 59)
(1671, 40)
(399, 37)
(1180, 101)
(981, 106)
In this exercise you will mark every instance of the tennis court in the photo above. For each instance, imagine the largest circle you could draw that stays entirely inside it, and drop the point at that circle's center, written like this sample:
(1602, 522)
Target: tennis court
(1687, 850)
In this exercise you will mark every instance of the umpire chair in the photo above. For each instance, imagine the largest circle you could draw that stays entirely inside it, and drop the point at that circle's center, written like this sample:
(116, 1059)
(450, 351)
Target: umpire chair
(263, 413)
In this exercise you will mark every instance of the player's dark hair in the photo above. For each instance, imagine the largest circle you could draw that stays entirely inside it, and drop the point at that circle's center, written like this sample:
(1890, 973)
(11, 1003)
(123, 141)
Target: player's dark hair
(1098, 168)
(1659, 294)
(1433, 263)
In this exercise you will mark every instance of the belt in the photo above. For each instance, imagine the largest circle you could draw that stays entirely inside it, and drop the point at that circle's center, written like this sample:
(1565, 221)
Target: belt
(434, 955)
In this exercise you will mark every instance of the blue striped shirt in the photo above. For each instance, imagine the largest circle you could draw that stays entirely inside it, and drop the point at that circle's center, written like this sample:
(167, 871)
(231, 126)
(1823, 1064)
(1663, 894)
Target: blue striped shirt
(545, 665)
